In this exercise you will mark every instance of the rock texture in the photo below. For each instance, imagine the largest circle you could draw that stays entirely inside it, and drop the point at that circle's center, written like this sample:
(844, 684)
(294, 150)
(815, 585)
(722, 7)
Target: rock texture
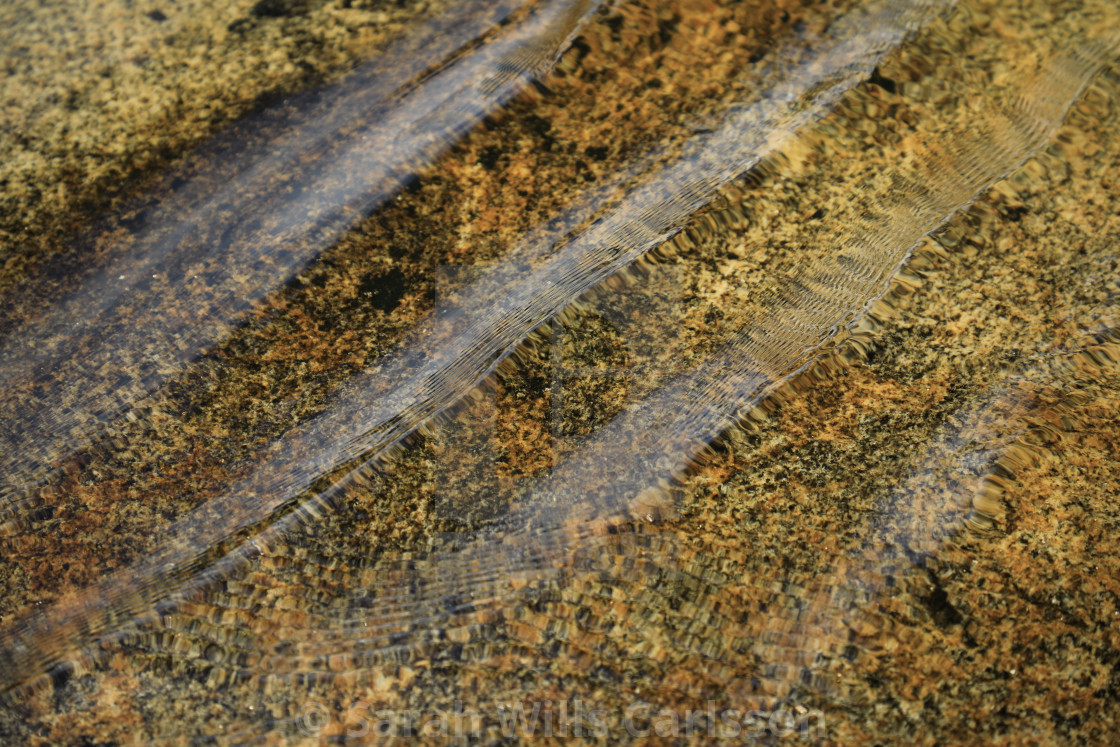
(907, 533)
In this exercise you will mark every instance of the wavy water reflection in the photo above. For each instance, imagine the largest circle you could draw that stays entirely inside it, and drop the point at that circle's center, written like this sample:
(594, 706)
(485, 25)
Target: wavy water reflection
(266, 498)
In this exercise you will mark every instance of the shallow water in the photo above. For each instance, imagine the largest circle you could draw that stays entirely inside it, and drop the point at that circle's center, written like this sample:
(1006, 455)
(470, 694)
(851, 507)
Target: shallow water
(623, 361)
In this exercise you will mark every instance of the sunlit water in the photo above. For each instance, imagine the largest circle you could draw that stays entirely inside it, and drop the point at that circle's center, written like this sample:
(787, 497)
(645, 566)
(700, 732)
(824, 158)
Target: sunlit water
(742, 371)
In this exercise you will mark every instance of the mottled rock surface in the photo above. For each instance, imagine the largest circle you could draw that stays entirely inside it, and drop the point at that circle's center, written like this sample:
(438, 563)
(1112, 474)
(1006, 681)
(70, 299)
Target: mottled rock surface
(913, 537)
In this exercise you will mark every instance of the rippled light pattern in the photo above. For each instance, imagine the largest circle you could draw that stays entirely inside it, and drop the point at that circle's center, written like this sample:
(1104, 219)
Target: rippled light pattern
(730, 370)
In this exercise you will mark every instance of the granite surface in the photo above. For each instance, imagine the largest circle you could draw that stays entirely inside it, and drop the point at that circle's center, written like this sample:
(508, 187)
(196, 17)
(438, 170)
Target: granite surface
(908, 535)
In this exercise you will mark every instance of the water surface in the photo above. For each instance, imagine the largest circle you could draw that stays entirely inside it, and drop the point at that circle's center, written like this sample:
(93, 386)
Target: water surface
(654, 360)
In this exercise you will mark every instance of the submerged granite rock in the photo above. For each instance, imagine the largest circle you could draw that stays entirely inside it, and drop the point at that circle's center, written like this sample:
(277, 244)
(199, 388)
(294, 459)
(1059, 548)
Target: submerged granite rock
(560, 370)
